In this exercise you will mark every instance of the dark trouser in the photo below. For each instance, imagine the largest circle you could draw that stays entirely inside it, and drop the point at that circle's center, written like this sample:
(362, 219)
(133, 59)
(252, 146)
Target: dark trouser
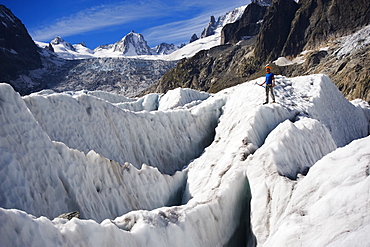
(270, 89)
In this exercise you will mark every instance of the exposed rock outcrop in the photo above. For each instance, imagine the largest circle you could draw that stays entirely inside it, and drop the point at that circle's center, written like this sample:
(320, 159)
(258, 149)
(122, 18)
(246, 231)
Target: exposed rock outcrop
(318, 21)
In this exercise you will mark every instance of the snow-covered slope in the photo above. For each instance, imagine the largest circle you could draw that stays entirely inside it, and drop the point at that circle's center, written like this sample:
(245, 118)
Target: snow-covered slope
(245, 186)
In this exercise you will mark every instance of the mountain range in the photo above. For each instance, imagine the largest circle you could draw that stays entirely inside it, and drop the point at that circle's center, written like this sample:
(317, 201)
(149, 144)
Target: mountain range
(59, 65)
(132, 44)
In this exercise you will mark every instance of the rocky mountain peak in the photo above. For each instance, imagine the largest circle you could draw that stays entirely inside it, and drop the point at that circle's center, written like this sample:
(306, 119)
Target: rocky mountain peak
(210, 29)
(57, 40)
(60, 41)
(132, 44)
(221, 21)
(82, 43)
(164, 49)
(193, 38)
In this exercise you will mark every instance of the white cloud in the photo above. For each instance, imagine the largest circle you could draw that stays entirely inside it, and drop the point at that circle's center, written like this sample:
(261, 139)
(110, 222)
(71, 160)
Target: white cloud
(176, 32)
(105, 16)
(97, 18)
(181, 31)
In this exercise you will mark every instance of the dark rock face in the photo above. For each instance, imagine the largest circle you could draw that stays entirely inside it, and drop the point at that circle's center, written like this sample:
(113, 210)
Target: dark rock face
(18, 52)
(275, 29)
(316, 21)
(248, 25)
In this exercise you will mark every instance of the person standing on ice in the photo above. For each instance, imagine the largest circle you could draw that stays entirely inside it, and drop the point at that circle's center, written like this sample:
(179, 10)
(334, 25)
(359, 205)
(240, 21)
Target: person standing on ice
(270, 84)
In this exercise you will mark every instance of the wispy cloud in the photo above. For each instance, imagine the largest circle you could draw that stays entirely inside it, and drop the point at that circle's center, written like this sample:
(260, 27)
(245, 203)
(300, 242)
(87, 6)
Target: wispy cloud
(105, 16)
(96, 18)
(176, 32)
(180, 31)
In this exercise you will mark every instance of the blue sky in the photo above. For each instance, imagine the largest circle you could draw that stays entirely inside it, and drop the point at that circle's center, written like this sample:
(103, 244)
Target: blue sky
(107, 21)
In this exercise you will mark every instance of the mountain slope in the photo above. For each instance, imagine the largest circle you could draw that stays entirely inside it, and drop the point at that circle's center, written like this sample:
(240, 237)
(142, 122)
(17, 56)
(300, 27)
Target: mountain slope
(18, 52)
(248, 25)
(275, 29)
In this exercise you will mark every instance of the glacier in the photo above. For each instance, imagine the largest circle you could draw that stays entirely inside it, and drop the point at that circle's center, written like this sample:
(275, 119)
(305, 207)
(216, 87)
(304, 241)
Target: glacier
(186, 168)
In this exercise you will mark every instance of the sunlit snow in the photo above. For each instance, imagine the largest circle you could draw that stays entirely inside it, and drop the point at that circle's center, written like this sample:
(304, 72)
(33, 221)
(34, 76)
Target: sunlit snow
(186, 168)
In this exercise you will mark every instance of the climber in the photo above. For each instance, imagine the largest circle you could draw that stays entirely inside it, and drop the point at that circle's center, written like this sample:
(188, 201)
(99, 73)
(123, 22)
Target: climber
(270, 83)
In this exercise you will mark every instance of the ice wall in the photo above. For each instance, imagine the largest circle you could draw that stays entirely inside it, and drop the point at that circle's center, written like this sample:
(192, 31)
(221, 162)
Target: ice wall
(47, 178)
(156, 138)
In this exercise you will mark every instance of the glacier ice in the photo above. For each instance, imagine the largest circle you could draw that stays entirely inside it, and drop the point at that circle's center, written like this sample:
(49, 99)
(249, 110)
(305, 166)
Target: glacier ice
(185, 168)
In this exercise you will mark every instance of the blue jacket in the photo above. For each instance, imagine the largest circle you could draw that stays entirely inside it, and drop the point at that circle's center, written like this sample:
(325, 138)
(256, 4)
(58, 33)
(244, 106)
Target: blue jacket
(269, 78)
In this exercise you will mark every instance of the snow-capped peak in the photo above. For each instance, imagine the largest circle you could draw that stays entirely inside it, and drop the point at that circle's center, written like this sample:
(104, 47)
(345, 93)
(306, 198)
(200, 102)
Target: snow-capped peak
(63, 45)
(165, 49)
(132, 44)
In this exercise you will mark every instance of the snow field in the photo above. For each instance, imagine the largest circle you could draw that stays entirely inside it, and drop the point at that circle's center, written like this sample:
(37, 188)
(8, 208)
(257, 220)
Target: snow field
(256, 156)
